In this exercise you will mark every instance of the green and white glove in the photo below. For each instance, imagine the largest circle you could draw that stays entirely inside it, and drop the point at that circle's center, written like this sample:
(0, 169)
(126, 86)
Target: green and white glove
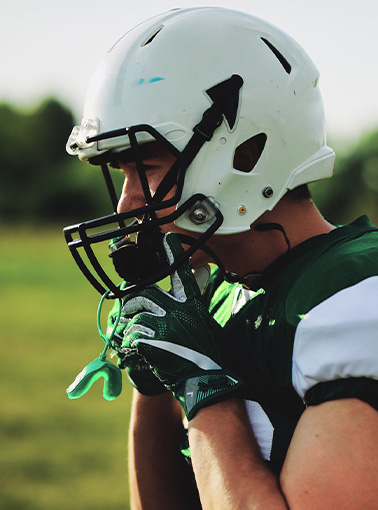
(178, 337)
(139, 372)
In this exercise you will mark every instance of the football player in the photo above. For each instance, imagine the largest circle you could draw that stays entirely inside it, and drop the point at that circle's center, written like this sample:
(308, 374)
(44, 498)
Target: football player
(216, 121)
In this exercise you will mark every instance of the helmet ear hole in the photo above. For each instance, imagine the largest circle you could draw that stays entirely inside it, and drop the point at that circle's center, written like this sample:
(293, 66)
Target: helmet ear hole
(248, 153)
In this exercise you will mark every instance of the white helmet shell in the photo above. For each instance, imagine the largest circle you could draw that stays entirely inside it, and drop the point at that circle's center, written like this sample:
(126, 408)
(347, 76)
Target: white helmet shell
(158, 74)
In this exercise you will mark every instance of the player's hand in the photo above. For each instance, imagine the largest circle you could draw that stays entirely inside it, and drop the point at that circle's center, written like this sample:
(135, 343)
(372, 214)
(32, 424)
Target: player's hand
(177, 336)
(138, 370)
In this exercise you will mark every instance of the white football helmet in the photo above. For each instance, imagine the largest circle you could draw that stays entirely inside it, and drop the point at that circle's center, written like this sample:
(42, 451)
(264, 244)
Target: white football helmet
(203, 81)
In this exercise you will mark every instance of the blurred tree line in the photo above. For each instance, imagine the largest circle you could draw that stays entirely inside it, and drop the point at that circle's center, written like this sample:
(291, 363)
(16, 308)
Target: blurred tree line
(39, 182)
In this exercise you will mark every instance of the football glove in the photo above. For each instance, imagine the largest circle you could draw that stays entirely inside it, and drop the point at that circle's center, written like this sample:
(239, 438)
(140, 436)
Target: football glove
(178, 337)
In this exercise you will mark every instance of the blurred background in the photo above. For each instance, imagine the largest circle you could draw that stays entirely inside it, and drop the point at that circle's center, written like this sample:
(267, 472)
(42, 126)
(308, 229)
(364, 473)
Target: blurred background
(57, 453)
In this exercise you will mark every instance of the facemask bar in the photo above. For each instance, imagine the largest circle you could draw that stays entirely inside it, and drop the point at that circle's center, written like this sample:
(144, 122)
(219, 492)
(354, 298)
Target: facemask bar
(175, 174)
(84, 241)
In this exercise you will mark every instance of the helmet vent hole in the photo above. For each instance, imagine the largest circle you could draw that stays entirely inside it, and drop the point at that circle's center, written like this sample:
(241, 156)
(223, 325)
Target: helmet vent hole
(152, 36)
(248, 153)
(285, 64)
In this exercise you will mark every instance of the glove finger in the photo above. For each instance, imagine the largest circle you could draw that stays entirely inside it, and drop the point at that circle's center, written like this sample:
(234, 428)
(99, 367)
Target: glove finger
(138, 332)
(143, 326)
(146, 301)
(184, 285)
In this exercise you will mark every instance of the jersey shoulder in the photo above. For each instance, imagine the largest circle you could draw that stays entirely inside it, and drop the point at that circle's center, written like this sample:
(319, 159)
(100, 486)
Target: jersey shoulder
(336, 261)
(333, 302)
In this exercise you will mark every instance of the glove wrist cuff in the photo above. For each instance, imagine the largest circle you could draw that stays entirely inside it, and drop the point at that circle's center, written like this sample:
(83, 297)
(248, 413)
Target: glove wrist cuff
(206, 389)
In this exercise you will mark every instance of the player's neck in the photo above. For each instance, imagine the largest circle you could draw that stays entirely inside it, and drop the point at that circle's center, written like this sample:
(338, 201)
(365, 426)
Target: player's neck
(255, 250)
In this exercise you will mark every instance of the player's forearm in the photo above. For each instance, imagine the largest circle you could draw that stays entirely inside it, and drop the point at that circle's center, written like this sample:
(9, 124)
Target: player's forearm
(229, 469)
(154, 457)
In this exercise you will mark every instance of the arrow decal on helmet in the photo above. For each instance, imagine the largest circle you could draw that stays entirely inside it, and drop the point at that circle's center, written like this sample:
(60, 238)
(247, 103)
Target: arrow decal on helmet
(225, 96)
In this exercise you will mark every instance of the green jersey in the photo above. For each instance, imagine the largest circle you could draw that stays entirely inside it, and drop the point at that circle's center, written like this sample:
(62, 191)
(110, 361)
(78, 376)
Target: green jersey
(305, 334)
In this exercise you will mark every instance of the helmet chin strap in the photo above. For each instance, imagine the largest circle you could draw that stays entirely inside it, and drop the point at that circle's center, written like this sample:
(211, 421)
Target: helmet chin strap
(274, 226)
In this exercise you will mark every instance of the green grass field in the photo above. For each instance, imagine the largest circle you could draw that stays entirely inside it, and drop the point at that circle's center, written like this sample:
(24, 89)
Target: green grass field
(55, 453)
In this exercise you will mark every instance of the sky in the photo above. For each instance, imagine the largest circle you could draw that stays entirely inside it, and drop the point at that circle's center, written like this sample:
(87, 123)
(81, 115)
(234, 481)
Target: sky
(51, 48)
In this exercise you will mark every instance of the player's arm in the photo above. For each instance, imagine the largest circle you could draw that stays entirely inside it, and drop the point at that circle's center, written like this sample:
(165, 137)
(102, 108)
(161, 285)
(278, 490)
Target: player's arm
(230, 471)
(333, 457)
(332, 461)
(158, 476)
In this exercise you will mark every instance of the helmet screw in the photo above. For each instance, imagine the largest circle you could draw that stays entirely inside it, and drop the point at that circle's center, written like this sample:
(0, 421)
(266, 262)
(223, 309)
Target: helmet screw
(198, 215)
(267, 192)
(242, 209)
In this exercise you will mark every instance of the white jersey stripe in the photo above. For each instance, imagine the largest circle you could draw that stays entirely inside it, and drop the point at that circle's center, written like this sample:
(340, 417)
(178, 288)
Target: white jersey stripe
(338, 338)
